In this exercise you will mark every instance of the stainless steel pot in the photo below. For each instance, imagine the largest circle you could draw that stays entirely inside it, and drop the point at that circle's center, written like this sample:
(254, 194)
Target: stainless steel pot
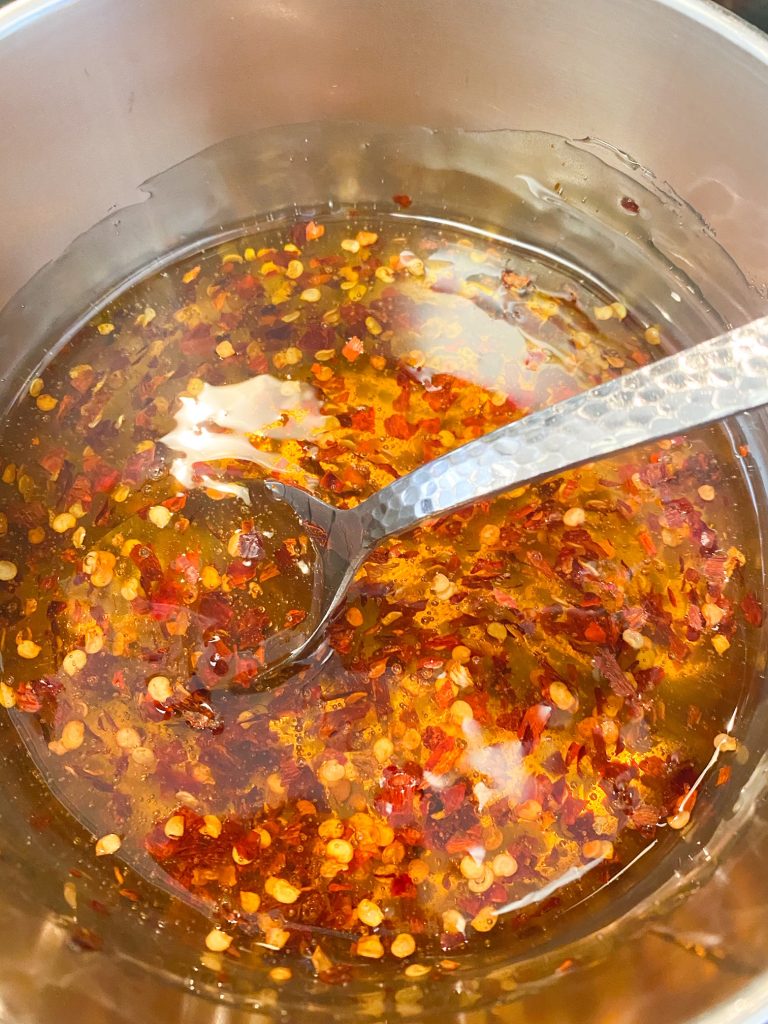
(100, 96)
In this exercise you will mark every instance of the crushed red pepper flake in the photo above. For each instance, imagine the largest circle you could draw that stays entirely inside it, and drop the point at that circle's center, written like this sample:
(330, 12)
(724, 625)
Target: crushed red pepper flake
(492, 705)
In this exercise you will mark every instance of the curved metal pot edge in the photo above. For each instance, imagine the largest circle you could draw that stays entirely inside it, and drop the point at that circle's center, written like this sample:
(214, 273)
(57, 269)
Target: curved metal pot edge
(19, 13)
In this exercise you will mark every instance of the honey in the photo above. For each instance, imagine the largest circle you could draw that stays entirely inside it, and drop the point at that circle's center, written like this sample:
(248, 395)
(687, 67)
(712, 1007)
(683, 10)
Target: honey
(516, 703)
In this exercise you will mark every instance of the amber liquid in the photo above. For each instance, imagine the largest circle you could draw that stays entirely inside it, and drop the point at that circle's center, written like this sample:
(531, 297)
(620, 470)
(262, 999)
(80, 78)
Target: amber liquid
(517, 702)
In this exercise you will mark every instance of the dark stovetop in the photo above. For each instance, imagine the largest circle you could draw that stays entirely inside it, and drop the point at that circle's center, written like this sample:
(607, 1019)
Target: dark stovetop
(755, 11)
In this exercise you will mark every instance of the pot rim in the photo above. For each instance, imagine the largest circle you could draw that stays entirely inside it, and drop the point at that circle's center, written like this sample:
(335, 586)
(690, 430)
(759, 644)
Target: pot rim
(706, 13)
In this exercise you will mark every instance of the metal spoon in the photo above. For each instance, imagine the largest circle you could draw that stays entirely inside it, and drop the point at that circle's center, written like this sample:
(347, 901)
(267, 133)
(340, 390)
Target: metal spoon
(707, 382)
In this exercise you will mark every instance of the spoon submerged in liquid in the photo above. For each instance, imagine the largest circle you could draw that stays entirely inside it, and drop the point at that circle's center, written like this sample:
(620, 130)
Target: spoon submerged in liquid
(710, 381)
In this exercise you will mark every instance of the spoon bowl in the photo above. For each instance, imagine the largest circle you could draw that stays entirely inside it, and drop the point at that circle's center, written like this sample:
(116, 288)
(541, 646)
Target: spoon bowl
(337, 536)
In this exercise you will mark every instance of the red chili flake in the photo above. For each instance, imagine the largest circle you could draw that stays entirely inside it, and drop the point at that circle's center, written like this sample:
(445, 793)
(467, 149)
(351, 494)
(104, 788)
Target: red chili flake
(679, 650)
(103, 478)
(68, 402)
(533, 723)
(539, 562)
(432, 737)
(430, 425)
(252, 627)
(214, 610)
(167, 599)
(678, 512)
(27, 699)
(644, 816)
(454, 797)
(313, 231)
(463, 841)
(444, 694)
(149, 565)
(648, 678)
(80, 491)
(378, 668)
(245, 284)
(101, 517)
(441, 643)
(575, 751)
(364, 419)
(85, 940)
(187, 565)
(515, 282)
(753, 610)
(443, 756)
(53, 462)
(354, 480)
(402, 201)
(629, 204)
(402, 885)
(137, 467)
(293, 618)
(403, 400)
(654, 766)
(240, 571)
(695, 620)
(83, 380)
(149, 385)
(595, 633)
(400, 791)
(505, 600)
(647, 542)
(611, 671)
(331, 482)
(197, 712)
(198, 342)
(488, 569)
(353, 349)
(713, 568)
(440, 399)
(694, 716)
(316, 337)
(176, 503)
(743, 450)
(399, 427)
(723, 775)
